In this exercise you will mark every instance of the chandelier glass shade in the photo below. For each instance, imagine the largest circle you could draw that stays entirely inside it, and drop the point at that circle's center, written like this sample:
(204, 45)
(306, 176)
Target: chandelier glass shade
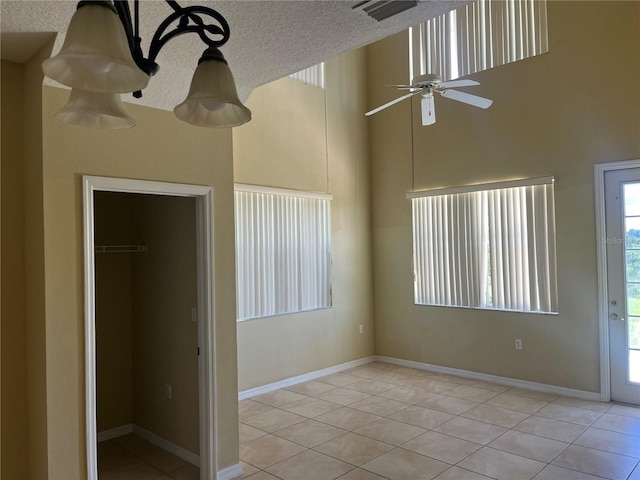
(98, 110)
(102, 57)
(206, 105)
(95, 56)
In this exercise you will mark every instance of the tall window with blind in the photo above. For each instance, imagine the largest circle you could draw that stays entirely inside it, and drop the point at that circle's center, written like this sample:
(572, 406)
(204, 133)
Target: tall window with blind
(283, 251)
(478, 36)
(486, 246)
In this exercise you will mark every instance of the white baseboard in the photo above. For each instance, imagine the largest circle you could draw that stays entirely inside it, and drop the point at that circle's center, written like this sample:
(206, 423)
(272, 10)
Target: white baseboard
(165, 444)
(230, 472)
(105, 435)
(287, 382)
(227, 473)
(510, 382)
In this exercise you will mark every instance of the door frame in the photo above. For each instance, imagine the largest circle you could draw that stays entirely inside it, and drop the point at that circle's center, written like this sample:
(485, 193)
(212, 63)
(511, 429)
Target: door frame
(600, 169)
(205, 309)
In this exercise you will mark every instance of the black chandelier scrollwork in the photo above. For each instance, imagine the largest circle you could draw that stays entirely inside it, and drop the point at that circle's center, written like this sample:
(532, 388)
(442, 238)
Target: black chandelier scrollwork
(211, 27)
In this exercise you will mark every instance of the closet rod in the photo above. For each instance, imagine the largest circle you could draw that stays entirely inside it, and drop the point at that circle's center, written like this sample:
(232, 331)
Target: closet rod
(120, 248)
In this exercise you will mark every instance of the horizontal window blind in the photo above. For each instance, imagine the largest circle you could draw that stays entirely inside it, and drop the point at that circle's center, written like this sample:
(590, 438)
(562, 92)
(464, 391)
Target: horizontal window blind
(479, 36)
(491, 248)
(283, 252)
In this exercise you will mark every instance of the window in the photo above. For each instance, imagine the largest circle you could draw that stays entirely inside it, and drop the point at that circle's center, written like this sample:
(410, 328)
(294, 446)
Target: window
(313, 76)
(481, 35)
(486, 246)
(283, 251)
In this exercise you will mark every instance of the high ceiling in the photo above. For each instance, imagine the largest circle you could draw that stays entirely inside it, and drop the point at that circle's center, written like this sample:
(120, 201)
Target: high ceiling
(269, 39)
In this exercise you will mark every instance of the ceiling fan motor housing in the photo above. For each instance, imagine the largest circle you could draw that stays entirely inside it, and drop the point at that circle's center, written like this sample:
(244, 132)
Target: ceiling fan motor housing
(429, 80)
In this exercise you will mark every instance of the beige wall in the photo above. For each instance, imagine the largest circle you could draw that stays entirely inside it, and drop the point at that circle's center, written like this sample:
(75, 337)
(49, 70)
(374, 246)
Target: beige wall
(159, 148)
(552, 115)
(15, 427)
(284, 145)
(165, 338)
(35, 265)
(24, 442)
(287, 145)
(114, 311)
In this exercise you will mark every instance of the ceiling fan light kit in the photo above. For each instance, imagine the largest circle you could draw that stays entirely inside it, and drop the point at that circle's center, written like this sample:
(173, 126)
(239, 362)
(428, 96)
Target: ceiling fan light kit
(426, 86)
(428, 110)
(102, 57)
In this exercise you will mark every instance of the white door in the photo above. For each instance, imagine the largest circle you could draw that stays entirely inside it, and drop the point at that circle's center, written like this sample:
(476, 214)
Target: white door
(622, 218)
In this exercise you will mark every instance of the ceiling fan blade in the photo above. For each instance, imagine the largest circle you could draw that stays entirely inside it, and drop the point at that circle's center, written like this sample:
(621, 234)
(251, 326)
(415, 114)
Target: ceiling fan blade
(428, 111)
(399, 86)
(392, 102)
(464, 97)
(458, 83)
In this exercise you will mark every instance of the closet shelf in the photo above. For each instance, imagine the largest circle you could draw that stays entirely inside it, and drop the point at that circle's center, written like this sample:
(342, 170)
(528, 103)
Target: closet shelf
(120, 248)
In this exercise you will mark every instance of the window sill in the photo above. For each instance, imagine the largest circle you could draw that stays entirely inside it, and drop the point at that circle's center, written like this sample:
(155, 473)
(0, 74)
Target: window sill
(487, 309)
(239, 320)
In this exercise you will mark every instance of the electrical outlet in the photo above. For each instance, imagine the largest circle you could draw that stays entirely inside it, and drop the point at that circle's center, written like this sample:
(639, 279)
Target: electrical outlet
(518, 344)
(167, 391)
(361, 329)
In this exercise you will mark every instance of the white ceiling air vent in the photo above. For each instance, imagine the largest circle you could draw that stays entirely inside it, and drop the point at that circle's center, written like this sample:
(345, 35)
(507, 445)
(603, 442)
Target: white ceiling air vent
(381, 9)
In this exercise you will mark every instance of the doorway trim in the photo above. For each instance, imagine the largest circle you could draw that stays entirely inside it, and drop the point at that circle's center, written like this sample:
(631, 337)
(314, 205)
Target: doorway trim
(600, 169)
(205, 309)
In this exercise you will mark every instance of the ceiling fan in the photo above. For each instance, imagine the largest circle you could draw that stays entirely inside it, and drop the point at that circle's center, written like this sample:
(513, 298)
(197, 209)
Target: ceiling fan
(426, 86)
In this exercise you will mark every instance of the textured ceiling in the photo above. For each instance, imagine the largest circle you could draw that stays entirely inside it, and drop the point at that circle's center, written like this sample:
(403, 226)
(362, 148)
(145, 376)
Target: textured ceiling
(269, 39)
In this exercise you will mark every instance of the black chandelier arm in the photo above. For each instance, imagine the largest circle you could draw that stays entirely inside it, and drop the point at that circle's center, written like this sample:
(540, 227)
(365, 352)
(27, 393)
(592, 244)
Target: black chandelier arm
(132, 32)
(122, 9)
(181, 15)
(193, 13)
(160, 38)
(173, 4)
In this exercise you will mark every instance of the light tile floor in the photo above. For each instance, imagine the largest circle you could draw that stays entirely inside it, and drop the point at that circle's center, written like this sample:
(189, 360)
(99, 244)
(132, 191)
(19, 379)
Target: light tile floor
(382, 421)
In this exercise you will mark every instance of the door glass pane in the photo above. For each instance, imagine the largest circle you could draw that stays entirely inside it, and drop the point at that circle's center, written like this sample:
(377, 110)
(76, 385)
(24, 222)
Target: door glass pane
(634, 332)
(632, 256)
(631, 199)
(634, 366)
(633, 265)
(633, 298)
(633, 232)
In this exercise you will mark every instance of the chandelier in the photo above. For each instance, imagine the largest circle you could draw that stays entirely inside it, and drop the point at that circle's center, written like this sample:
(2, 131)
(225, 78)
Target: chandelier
(102, 58)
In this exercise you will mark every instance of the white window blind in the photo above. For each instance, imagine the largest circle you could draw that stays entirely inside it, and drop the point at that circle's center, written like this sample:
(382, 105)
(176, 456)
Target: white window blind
(477, 37)
(313, 75)
(492, 247)
(283, 251)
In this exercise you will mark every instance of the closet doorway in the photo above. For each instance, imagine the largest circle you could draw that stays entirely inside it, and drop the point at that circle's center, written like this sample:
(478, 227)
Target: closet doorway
(149, 323)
